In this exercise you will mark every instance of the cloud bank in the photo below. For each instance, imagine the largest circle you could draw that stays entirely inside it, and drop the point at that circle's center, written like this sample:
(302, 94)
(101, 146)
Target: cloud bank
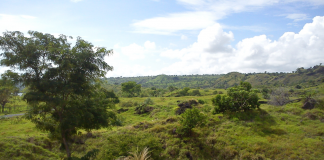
(212, 53)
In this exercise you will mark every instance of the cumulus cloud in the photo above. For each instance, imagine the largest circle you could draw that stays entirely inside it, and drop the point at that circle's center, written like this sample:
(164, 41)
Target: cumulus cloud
(204, 13)
(135, 51)
(211, 53)
(183, 37)
(175, 22)
(297, 16)
(21, 23)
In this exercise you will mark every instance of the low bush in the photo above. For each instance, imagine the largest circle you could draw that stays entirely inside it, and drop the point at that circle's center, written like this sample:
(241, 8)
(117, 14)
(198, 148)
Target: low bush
(189, 119)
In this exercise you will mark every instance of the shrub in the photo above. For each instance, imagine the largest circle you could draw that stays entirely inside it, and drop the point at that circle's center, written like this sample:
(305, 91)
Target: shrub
(122, 145)
(190, 119)
(220, 92)
(148, 101)
(279, 97)
(127, 104)
(215, 92)
(239, 98)
(200, 101)
(298, 86)
(195, 92)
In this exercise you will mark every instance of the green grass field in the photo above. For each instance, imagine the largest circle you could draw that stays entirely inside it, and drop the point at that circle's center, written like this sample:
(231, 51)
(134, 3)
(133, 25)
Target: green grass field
(272, 132)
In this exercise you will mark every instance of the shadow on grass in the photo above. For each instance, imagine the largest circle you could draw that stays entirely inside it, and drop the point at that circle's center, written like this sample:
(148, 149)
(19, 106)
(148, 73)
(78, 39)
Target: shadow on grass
(260, 121)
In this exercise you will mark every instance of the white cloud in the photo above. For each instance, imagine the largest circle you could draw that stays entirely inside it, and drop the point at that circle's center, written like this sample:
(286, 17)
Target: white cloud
(205, 13)
(183, 37)
(297, 17)
(213, 54)
(135, 51)
(149, 45)
(21, 23)
(175, 22)
(75, 1)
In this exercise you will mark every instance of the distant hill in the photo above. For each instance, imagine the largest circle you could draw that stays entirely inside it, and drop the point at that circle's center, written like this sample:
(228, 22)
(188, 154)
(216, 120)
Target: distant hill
(307, 77)
(164, 81)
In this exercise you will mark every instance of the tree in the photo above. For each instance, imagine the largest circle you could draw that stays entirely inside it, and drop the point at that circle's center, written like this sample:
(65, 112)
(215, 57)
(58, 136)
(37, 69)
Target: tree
(61, 80)
(238, 98)
(279, 97)
(131, 88)
(7, 88)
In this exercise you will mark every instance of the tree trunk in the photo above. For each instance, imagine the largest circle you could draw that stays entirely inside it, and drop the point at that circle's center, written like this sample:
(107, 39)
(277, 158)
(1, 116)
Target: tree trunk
(2, 106)
(67, 149)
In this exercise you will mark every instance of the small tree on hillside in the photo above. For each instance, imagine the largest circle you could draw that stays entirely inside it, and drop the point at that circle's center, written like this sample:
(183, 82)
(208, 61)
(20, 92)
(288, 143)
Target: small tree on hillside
(279, 97)
(239, 98)
(7, 88)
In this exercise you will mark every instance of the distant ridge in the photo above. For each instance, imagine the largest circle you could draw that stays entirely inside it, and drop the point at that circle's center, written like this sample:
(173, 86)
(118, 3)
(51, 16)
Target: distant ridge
(311, 76)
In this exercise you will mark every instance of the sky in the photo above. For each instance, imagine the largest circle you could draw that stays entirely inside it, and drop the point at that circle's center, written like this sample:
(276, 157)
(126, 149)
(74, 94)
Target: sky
(182, 37)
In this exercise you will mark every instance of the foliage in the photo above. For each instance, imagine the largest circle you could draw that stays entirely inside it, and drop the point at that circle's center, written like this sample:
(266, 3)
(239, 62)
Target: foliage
(298, 86)
(184, 91)
(148, 101)
(265, 93)
(131, 88)
(144, 155)
(189, 119)
(7, 88)
(128, 103)
(195, 92)
(118, 145)
(279, 97)
(61, 79)
(239, 98)
(200, 101)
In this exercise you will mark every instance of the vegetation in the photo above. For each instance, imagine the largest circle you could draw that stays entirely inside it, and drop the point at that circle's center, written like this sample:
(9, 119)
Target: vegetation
(130, 89)
(239, 98)
(60, 81)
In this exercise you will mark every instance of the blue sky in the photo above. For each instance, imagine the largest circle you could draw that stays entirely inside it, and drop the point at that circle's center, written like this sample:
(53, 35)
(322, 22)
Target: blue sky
(152, 37)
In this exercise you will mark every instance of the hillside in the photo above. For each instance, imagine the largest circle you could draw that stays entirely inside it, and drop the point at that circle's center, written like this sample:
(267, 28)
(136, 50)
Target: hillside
(304, 77)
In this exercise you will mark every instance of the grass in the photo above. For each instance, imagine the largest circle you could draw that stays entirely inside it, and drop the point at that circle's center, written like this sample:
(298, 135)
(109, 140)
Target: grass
(273, 132)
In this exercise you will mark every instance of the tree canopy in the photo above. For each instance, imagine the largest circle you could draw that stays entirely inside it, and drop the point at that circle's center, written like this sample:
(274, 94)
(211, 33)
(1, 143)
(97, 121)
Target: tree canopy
(131, 88)
(61, 81)
(7, 88)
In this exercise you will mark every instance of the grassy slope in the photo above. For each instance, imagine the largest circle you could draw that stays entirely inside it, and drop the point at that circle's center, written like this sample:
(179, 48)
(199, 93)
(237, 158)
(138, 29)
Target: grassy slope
(287, 132)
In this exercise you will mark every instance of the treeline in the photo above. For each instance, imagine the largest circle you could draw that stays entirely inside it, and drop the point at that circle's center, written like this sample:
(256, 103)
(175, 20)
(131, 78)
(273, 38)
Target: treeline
(301, 76)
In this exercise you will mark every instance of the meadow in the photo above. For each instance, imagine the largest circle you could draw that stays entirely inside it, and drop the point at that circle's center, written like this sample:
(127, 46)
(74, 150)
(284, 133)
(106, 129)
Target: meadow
(271, 132)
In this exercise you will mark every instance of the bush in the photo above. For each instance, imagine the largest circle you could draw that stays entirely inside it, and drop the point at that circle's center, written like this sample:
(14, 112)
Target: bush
(279, 97)
(220, 92)
(239, 98)
(215, 92)
(195, 92)
(189, 119)
(148, 101)
(200, 101)
(127, 104)
(121, 145)
(298, 86)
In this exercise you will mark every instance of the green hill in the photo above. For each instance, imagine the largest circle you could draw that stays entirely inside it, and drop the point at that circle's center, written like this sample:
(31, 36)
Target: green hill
(304, 77)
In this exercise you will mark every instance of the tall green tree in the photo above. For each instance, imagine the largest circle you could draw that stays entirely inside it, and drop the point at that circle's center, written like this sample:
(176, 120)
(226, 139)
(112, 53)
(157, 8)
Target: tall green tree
(7, 88)
(131, 88)
(61, 81)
